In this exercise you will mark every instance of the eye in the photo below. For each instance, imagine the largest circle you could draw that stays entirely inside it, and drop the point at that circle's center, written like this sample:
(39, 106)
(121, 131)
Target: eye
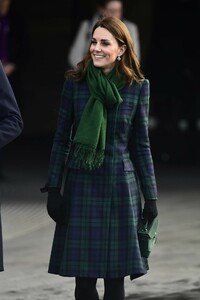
(105, 43)
(93, 42)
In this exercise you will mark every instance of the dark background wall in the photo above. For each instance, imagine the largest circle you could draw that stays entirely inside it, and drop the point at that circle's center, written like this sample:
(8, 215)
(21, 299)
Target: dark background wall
(168, 33)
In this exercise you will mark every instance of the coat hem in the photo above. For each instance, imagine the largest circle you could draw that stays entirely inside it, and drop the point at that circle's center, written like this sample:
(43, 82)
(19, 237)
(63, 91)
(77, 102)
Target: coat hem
(72, 274)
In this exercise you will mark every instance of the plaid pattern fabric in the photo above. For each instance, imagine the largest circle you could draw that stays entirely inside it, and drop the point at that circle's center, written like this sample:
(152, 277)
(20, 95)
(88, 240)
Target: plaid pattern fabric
(105, 204)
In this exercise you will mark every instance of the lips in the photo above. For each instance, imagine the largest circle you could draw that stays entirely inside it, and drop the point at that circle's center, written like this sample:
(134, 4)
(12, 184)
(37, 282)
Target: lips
(98, 56)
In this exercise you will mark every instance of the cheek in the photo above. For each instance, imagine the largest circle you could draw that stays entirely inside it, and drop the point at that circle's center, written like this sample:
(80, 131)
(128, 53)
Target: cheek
(113, 56)
(114, 53)
(91, 49)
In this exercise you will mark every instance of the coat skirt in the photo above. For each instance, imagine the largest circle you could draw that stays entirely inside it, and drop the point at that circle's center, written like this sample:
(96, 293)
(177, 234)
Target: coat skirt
(100, 240)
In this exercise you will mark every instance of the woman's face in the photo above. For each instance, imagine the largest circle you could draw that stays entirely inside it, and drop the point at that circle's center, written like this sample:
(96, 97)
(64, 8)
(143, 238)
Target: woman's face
(104, 49)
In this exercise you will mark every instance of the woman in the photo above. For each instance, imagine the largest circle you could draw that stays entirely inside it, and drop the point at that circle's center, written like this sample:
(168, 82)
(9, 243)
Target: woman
(102, 142)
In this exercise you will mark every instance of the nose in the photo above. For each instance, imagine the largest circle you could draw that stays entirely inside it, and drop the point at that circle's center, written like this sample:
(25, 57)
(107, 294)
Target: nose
(97, 47)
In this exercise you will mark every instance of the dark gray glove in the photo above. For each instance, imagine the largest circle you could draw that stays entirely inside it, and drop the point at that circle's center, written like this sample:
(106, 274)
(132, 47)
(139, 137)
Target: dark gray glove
(150, 210)
(55, 205)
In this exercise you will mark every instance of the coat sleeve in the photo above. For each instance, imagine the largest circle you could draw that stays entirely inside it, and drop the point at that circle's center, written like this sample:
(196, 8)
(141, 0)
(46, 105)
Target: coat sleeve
(134, 32)
(140, 149)
(11, 123)
(80, 44)
(62, 138)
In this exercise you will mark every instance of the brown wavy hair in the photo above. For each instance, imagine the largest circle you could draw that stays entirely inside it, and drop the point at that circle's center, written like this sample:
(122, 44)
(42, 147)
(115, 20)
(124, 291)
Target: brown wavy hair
(128, 67)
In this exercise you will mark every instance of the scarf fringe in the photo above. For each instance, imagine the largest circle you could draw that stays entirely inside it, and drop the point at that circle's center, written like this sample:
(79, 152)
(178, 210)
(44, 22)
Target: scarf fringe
(88, 157)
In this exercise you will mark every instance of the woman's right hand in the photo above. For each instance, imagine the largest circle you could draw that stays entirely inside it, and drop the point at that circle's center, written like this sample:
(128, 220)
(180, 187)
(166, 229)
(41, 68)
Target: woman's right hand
(55, 205)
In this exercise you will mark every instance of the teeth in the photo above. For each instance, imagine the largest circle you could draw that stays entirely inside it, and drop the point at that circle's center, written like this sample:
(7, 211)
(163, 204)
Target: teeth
(98, 56)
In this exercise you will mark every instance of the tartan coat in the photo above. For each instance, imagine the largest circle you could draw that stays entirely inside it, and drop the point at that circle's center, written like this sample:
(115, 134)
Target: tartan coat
(11, 124)
(100, 239)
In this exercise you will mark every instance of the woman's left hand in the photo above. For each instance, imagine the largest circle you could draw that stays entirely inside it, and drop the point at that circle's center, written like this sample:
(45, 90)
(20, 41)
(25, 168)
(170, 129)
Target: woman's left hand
(150, 210)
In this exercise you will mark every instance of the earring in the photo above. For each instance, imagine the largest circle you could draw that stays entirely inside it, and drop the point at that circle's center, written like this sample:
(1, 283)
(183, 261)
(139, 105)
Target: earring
(119, 58)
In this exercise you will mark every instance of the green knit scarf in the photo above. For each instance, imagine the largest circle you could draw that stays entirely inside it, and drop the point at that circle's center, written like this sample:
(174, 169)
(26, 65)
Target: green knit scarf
(90, 137)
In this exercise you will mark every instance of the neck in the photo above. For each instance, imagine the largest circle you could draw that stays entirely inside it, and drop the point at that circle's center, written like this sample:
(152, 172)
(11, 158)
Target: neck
(107, 70)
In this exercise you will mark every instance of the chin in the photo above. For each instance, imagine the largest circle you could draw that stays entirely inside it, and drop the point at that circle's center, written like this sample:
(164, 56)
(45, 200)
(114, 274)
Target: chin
(97, 64)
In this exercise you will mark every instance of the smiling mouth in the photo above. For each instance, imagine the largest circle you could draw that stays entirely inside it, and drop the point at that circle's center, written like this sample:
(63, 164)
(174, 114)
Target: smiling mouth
(98, 56)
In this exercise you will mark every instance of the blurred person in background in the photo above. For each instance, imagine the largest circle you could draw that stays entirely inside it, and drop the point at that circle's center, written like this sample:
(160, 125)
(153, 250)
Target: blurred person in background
(100, 159)
(82, 39)
(14, 53)
(14, 48)
(11, 124)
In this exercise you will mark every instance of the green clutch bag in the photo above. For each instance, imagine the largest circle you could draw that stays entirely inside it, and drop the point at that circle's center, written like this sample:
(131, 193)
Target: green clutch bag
(147, 236)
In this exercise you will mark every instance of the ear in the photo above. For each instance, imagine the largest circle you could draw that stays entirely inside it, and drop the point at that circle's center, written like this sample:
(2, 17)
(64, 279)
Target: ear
(122, 49)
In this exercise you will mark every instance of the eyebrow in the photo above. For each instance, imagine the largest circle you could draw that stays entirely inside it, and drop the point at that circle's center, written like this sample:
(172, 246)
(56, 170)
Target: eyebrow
(102, 40)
